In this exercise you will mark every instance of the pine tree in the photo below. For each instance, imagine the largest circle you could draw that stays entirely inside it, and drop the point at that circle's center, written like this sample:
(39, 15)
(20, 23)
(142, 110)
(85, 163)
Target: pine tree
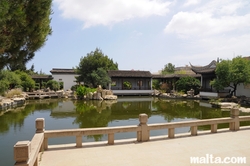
(25, 26)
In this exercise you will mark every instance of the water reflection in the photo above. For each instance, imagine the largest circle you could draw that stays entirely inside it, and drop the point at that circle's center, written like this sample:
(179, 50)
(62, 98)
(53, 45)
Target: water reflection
(19, 124)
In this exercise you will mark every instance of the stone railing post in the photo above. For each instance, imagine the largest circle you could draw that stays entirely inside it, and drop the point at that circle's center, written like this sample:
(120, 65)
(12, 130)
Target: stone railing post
(40, 125)
(143, 135)
(235, 115)
(22, 150)
(79, 140)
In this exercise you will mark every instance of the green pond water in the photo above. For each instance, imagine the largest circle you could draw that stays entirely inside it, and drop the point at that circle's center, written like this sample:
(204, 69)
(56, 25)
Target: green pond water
(19, 124)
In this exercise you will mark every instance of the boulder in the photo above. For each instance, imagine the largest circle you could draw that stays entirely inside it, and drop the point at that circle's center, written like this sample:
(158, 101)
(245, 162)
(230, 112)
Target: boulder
(110, 97)
(97, 96)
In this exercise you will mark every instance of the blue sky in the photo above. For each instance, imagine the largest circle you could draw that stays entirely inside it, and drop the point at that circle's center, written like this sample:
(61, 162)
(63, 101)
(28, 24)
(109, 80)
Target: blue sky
(146, 34)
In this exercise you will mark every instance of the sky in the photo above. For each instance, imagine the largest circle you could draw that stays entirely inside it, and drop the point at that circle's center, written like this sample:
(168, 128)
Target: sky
(145, 34)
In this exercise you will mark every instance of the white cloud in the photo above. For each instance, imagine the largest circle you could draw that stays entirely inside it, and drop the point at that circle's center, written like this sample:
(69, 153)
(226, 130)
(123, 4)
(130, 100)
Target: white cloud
(191, 2)
(189, 24)
(109, 12)
(210, 30)
(212, 18)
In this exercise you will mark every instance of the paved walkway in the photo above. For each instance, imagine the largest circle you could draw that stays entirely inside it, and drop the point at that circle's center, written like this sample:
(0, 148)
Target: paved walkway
(156, 152)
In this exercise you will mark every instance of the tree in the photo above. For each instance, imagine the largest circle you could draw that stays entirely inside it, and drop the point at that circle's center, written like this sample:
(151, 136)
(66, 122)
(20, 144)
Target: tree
(100, 77)
(25, 25)
(27, 82)
(53, 85)
(9, 79)
(230, 73)
(92, 65)
(168, 69)
(187, 83)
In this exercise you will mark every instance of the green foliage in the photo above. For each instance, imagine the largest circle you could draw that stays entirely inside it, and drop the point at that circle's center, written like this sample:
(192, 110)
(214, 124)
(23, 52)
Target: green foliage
(25, 26)
(17, 79)
(37, 86)
(53, 85)
(81, 91)
(168, 69)
(156, 84)
(27, 82)
(230, 73)
(60, 85)
(100, 77)
(11, 78)
(127, 85)
(186, 83)
(4, 85)
(93, 64)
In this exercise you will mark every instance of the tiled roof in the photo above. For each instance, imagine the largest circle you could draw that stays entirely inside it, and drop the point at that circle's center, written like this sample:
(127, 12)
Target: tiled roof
(210, 68)
(42, 76)
(62, 71)
(175, 75)
(129, 73)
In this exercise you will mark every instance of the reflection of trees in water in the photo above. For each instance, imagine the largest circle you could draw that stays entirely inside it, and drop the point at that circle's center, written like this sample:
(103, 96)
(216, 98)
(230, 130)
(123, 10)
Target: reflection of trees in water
(129, 109)
(92, 114)
(45, 104)
(172, 109)
(17, 116)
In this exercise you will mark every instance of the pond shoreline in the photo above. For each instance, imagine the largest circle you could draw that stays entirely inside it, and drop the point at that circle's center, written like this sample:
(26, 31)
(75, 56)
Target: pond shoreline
(7, 104)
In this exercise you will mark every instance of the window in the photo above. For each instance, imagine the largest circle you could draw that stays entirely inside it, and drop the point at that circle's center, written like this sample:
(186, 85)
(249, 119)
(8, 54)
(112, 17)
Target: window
(139, 83)
(113, 83)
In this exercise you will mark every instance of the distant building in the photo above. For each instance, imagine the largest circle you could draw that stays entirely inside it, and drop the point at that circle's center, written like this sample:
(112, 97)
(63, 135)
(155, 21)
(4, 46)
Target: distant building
(67, 76)
(130, 82)
(208, 74)
(40, 79)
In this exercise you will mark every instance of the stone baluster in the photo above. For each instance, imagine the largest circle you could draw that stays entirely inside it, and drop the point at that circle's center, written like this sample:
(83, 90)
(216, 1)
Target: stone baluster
(40, 125)
(214, 128)
(234, 126)
(111, 138)
(143, 135)
(194, 130)
(22, 150)
(171, 132)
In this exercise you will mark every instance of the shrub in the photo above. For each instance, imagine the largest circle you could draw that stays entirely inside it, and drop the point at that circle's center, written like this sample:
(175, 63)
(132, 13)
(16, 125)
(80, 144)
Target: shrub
(37, 86)
(13, 92)
(186, 83)
(11, 78)
(60, 85)
(53, 85)
(156, 84)
(127, 85)
(27, 82)
(81, 91)
(4, 85)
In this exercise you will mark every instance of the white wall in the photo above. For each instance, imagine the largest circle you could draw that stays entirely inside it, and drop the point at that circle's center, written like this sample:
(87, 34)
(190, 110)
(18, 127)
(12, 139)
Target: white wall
(243, 90)
(67, 79)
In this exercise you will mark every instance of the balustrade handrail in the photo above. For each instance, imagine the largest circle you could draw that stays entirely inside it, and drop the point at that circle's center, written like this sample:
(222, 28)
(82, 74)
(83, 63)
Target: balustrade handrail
(90, 131)
(190, 123)
(143, 132)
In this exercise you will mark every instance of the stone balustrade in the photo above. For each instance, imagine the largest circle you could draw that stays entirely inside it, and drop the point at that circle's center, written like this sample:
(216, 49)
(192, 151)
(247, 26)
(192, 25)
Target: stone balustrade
(26, 152)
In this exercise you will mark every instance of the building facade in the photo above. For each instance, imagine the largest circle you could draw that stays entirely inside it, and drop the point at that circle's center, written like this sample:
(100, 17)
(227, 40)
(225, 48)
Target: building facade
(130, 82)
(67, 76)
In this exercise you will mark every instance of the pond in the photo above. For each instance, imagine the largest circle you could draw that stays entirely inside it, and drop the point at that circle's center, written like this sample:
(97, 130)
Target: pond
(19, 124)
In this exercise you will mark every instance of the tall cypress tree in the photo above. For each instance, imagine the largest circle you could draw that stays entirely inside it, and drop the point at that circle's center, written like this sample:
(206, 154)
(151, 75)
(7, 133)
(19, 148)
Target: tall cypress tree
(25, 26)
